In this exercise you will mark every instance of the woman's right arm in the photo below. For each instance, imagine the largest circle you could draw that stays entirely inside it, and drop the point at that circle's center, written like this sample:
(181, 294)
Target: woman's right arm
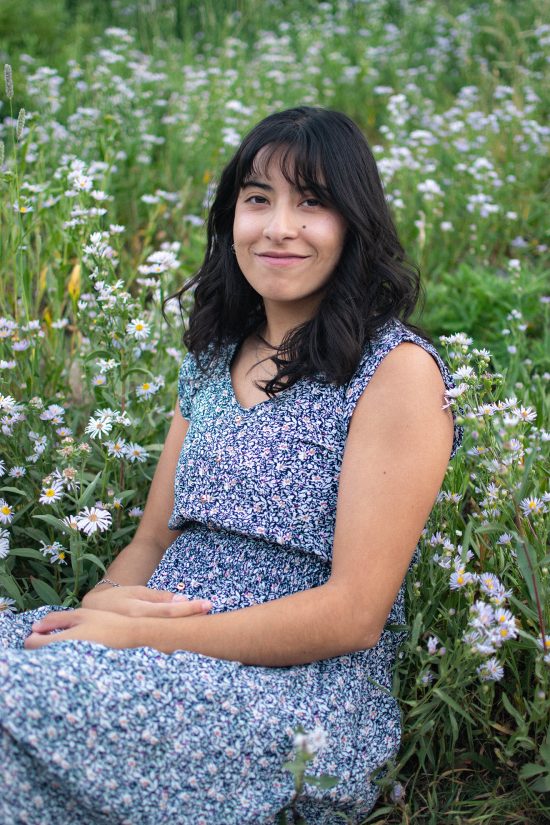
(134, 565)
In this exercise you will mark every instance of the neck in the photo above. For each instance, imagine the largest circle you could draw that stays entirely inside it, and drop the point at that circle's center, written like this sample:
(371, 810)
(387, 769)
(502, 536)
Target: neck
(282, 319)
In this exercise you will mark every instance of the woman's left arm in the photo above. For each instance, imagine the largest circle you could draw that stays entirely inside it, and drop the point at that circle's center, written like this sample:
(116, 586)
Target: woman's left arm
(395, 458)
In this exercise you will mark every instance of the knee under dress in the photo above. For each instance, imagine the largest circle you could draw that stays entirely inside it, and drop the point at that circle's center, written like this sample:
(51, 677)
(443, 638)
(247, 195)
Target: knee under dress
(101, 736)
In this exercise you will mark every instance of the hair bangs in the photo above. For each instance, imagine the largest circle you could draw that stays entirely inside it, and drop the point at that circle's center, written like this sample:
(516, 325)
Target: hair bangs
(299, 160)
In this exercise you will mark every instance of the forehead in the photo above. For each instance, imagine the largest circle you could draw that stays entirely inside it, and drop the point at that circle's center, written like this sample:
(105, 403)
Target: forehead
(272, 161)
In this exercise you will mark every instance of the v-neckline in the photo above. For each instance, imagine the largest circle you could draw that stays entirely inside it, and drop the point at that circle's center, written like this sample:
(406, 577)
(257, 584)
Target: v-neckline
(229, 363)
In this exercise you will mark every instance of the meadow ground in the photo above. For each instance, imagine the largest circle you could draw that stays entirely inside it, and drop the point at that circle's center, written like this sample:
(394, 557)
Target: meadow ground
(116, 119)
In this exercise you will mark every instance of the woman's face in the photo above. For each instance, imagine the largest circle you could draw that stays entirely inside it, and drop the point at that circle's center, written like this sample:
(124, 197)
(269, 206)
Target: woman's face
(287, 242)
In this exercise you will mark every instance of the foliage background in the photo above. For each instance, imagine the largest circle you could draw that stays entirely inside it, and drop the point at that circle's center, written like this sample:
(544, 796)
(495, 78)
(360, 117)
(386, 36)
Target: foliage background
(132, 108)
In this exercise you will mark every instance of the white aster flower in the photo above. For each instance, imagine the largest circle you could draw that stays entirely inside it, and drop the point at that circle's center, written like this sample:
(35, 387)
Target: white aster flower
(453, 393)
(134, 452)
(138, 328)
(51, 493)
(146, 390)
(98, 427)
(490, 671)
(524, 413)
(116, 448)
(5, 605)
(92, 519)
(4, 543)
(6, 512)
(532, 506)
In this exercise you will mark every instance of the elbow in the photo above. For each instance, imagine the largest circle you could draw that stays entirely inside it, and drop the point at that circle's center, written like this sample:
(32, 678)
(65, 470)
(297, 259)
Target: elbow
(358, 630)
(369, 637)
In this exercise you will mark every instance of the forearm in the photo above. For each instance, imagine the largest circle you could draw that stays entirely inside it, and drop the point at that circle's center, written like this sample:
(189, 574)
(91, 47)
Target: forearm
(307, 626)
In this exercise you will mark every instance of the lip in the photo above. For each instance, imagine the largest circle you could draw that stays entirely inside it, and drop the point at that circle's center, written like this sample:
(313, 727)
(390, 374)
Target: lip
(280, 258)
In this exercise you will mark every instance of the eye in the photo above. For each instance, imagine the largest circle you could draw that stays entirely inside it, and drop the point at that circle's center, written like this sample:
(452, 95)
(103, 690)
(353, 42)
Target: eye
(256, 199)
(312, 202)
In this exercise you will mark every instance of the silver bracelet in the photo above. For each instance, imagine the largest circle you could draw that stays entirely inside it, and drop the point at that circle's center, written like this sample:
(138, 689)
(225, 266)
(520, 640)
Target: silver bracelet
(108, 581)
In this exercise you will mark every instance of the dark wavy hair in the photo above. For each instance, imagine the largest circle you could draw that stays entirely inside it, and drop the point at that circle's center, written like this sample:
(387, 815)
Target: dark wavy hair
(325, 153)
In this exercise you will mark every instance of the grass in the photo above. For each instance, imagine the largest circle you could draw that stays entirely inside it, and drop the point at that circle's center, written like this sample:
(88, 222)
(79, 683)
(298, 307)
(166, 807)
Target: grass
(143, 104)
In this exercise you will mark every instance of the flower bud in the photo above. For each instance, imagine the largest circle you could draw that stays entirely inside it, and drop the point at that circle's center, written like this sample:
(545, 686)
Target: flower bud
(8, 79)
(20, 124)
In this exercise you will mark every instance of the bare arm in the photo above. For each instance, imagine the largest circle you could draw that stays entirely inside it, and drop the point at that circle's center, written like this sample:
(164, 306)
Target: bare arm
(394, 462)
(137, 561)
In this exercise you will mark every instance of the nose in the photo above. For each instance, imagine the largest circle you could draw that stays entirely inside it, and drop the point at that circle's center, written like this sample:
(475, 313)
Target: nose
(281, 223)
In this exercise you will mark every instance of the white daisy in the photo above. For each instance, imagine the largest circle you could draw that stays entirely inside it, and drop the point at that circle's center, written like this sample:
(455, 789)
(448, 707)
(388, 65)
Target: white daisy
(116, 448)
(6, 511)
(134, 452)
(97, 427)
(5, 605)
(51, 493)
(146, 390)
(92, 519)
(138, 328)
(4, 543)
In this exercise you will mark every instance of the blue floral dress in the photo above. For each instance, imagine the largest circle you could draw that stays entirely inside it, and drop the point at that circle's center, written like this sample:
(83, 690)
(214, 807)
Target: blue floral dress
(91, 735)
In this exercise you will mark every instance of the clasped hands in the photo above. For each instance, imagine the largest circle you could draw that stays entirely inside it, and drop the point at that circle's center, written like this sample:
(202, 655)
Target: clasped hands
(110, 616)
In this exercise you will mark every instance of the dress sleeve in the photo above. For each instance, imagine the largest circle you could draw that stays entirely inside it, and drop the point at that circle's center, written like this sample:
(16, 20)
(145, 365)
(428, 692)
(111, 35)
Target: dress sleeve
(395, 334)
(185, 384)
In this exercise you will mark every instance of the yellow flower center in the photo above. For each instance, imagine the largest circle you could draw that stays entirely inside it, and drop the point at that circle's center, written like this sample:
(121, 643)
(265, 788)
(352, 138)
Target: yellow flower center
(50, 492)
(6, 510)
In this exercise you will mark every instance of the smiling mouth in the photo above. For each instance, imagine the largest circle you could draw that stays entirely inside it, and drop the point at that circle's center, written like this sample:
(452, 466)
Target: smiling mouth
(280, 257)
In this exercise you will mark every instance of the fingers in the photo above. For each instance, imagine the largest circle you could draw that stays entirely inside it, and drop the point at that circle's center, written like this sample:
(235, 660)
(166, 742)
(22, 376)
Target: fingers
(180, 607)
(36, 640)
(59, 620)
(149, 594)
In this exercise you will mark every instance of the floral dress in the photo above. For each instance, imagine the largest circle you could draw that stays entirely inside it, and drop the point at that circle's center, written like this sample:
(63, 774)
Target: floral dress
(91, 734)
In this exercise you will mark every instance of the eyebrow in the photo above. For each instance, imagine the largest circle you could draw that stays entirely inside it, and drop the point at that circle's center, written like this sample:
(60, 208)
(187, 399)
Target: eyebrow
(257, 185)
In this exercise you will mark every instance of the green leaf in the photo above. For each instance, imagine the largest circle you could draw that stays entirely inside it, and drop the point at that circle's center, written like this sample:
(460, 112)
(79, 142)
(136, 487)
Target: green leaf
(98, 353)
(512, 710)
(27, 553)
(452, 704)
(95, 560)
(542, 785)
(12, 490)
(53, 521)
(324, 781)
(38, 535)
(45, 592)
(88, 494)
(10, 586)
(531, 769)
(527, 561)
(137, 369)
(416, 628)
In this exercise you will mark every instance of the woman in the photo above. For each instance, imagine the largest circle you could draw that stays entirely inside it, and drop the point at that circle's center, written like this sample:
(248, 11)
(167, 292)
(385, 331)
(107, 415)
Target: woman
(307, 448)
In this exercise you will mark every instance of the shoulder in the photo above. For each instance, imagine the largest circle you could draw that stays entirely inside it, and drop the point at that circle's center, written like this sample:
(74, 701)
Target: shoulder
(399, 389)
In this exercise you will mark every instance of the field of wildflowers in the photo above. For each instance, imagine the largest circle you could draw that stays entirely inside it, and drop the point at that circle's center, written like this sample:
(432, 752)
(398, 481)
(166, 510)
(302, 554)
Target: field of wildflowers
(111, 144)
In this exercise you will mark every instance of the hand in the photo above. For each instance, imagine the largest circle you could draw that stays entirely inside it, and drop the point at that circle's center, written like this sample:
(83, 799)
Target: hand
(138, 601)
(109, 629)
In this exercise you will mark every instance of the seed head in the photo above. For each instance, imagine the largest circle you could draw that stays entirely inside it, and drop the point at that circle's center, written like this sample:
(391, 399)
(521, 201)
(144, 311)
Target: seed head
(20, 124)
(8, 78)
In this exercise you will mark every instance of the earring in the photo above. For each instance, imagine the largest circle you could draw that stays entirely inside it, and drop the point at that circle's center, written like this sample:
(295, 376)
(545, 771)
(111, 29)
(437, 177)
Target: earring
(233, 249)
